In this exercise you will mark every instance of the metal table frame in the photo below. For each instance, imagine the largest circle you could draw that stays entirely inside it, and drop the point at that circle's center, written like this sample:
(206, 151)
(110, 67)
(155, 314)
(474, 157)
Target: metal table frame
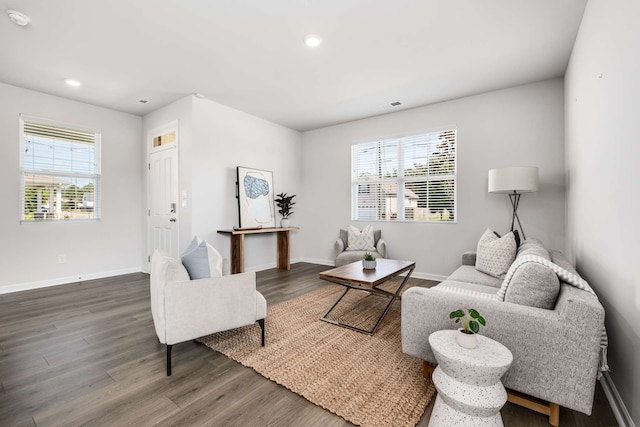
(369, 285)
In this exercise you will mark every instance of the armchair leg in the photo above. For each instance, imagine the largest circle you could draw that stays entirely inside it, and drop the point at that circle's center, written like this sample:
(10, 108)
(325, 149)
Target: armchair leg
(169, 347)
(261, 323)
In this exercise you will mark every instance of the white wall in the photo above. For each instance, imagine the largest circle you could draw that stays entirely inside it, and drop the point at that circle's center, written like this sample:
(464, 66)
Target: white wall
(521, 126)
(603, 150)
(223, 139)
(29, 252)
(214, 139)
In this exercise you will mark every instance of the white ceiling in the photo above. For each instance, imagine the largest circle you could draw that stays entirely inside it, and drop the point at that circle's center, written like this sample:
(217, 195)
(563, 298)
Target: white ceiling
(250, 55)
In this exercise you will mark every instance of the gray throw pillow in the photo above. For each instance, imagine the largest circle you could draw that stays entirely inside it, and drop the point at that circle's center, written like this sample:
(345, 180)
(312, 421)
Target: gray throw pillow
(495, 254)
(533, 285)
(202, 260)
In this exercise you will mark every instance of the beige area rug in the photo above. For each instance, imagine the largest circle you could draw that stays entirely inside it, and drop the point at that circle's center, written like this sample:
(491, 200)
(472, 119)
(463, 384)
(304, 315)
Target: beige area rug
(365, 379)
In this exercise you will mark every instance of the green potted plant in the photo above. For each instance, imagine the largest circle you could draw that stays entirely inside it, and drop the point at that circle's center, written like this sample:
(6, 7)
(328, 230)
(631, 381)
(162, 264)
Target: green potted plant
(369, 261)
(284, 204)
(470, 320)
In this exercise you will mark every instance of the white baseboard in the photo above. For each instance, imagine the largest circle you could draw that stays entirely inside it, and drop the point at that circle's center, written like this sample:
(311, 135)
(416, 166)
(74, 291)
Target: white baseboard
(316, 261)
(65, 280)
(615, 401)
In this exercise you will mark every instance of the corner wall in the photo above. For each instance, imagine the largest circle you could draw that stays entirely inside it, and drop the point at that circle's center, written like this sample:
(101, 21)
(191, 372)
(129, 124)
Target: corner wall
(520, 126)
(603, 149)
(29, 251)
(214, 139)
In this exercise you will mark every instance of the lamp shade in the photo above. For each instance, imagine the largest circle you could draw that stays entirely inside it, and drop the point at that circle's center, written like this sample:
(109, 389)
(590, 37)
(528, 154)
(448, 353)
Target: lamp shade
(517, 179)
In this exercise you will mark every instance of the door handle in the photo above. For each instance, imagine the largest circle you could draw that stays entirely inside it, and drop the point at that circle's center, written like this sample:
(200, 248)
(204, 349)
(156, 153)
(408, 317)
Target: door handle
(172, 219)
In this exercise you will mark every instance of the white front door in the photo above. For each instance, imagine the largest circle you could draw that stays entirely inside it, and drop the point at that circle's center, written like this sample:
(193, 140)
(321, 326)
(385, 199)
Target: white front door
(163, 193)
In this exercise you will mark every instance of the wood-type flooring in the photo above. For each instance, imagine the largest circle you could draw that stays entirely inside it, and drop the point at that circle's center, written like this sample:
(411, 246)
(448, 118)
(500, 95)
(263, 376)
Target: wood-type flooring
(87, 354)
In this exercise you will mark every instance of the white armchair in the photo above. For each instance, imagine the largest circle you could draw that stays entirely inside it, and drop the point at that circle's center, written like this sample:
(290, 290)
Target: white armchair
(185, 309)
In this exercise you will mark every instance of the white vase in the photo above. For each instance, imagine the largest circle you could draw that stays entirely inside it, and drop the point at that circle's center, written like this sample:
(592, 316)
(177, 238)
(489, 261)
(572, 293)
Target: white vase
(285, 222)
(369, 265)
(466, 340)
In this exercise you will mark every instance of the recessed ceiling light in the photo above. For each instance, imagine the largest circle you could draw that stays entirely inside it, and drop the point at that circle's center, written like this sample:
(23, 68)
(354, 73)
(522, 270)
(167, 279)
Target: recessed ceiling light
(312, 40)
(72, 82)
(18, 18)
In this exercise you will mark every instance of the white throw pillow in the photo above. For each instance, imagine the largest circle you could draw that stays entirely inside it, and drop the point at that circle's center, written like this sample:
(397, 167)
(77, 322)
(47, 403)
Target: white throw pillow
(360, 240)
(495, 254)
(202, 260)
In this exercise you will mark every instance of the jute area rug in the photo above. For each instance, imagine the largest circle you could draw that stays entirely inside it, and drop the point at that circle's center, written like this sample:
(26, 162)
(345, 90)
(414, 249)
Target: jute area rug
(365, 379)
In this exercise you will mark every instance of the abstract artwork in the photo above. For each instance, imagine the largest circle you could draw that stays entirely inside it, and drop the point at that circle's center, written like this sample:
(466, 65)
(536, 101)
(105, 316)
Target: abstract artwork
(255, 198)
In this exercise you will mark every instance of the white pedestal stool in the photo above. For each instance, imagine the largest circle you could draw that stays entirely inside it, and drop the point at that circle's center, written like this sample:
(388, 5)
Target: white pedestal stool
(468, 381)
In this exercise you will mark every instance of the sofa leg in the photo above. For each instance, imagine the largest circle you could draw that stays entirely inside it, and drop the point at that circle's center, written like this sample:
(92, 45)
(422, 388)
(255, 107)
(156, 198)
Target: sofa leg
(169, 347)
(552, 410)
(554, 414)
(427, 369)
(261, 323)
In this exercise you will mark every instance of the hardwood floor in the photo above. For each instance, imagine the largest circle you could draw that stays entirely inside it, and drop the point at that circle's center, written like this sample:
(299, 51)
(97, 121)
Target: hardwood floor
(87, 354)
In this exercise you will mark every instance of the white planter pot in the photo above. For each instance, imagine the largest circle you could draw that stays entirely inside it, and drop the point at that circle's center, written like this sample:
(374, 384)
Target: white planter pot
(369, 265)
(285, 222)
(466, 340)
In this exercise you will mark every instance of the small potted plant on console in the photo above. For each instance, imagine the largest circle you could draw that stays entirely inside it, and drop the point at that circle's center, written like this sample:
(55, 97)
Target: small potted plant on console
(470, 320)
(285, 203)
(369, 262)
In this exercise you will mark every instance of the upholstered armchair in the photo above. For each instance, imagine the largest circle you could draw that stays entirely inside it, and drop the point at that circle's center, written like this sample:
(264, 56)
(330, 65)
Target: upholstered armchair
(185, 309)
(344, 256)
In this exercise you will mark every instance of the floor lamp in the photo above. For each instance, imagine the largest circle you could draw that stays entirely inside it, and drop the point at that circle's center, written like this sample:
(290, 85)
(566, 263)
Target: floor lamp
(514, 181)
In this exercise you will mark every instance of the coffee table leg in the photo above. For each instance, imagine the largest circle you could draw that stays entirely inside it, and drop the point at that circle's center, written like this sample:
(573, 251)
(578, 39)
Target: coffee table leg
(393, 298)
(324, 317)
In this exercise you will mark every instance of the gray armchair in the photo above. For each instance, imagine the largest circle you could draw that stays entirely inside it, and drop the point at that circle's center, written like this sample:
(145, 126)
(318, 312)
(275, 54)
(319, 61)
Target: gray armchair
(185, 309)
(342, 256)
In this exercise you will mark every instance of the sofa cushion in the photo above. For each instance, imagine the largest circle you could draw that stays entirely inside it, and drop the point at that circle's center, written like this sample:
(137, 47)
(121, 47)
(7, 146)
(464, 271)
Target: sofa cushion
(533, 247)
(469, 274)
(360, 240)
(559, 259)
(347, 257)
(495, 254)
(465, 288)
(202, 260)
(533, 285)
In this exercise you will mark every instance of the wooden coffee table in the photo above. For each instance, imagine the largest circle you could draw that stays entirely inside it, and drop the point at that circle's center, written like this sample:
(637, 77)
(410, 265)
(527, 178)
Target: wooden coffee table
(353, 276)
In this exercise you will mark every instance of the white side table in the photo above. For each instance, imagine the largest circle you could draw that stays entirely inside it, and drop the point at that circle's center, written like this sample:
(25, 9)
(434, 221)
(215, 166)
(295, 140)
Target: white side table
(468, 381)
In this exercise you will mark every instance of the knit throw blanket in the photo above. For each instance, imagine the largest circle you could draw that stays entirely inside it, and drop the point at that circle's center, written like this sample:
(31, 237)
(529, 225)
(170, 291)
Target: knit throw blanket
(567, 277)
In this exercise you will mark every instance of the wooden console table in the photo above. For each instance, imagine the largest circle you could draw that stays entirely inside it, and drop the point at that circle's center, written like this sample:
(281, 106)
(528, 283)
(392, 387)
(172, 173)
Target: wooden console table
(237, 246)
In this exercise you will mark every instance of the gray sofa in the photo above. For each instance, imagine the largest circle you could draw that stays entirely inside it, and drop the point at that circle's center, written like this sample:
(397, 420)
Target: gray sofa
(552, 328)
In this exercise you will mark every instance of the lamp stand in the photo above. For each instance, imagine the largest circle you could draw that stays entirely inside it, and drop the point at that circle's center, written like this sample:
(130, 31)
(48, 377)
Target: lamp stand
(515, 201)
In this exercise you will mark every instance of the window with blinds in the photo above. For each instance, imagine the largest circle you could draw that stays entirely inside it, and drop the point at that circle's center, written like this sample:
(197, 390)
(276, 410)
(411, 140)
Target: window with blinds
(405, 179)
(60, 172)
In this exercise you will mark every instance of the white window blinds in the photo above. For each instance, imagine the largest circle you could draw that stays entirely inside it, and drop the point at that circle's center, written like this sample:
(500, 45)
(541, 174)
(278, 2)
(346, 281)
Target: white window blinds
(407, 179)
(60, 172)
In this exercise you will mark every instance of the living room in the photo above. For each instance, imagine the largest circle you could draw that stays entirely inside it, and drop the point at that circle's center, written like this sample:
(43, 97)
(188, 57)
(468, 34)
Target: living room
(577, 127)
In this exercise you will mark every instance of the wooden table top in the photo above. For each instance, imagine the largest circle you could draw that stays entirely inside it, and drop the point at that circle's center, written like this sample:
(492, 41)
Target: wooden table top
(355, 273)
(258, 230)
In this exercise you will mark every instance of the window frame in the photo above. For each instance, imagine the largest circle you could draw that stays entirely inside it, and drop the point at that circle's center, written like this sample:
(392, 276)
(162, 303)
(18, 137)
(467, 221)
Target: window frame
(401, 179)
(95, 177)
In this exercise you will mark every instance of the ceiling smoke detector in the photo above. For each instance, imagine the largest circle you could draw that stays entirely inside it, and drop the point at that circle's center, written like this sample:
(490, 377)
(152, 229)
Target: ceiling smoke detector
(18, 18)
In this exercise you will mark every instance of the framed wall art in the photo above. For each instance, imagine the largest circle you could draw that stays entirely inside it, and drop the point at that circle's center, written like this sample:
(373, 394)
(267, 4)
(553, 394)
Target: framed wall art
(255, 198)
